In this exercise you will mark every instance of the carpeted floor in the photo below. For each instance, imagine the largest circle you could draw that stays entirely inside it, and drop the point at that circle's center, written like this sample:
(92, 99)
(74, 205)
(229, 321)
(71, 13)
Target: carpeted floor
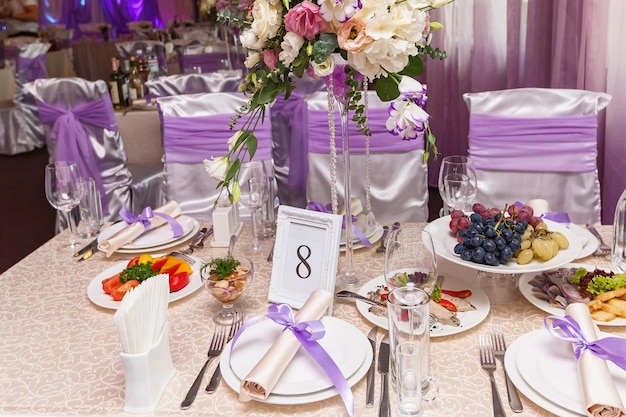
(28, 219)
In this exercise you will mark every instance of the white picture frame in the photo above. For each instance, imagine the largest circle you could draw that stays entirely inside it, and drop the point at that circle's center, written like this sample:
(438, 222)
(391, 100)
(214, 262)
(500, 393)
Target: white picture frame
(306, 254)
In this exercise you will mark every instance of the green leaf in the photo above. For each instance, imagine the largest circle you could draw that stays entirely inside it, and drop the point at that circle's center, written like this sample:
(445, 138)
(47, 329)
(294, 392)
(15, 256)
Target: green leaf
(251, 144)
(414, 68)
(232, 170)
(387, 88)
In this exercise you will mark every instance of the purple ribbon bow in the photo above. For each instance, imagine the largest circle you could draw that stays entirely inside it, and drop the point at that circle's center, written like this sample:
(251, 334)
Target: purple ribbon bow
(31, 69)
(145, 217)
(307, 333)
(555, 216)
(315, 206)
(608, 348)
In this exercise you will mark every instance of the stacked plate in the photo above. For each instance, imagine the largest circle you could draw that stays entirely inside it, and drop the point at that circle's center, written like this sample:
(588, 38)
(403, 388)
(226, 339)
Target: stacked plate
(303, 381)
(544, 370)
(156, 239)
(373, 235)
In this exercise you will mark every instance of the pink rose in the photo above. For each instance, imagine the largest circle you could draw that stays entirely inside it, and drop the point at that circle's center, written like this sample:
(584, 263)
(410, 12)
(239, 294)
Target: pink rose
(351, 36)
(305, 20)
(270, 57)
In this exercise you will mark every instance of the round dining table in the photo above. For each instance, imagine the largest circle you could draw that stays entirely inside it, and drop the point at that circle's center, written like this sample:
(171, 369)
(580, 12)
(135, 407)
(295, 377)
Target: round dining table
(60, 352)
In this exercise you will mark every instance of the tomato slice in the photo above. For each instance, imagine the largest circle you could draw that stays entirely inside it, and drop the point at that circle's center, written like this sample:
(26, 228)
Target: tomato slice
(179, 281)
(121, 291)
(110, 284)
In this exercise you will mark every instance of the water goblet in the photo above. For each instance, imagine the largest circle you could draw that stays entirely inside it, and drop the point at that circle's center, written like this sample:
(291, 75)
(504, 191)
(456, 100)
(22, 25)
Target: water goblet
(64, 191)
(461, 186)
(227, 286)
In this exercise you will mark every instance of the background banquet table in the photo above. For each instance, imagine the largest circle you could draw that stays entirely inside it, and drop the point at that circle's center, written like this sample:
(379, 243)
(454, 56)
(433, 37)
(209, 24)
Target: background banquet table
(59, 352)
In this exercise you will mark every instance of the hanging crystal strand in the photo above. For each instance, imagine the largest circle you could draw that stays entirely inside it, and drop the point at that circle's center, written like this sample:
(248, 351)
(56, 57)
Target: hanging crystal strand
(333, 147)
(368, 136)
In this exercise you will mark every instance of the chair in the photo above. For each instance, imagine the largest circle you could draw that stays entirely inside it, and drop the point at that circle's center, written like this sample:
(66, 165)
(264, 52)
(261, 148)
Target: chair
(536, 143)
(195, 128)
(214, 82)
(18, 118)
(80, 126)
(399, 188)
(128, 48)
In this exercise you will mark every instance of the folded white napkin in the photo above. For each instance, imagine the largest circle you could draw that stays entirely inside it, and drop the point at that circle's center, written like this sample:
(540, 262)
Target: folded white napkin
(133, 231)
(600, 396)
(260, 381)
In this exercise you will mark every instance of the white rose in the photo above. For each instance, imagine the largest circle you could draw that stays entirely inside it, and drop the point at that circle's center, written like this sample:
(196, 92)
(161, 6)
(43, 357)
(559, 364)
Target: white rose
(381, 27)
(290, 46)
(253, 58)
(217, 167)
(267, 19)
(325, 68)
(233, 140)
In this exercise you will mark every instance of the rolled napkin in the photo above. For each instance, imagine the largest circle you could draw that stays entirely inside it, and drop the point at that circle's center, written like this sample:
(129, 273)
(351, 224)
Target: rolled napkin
(539, 205)
(136, 228)
(600, 396)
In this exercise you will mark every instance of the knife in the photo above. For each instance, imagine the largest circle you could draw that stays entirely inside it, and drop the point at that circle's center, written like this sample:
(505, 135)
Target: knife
(90, 250)
(90, 245)
(372, 371)
(383, 369)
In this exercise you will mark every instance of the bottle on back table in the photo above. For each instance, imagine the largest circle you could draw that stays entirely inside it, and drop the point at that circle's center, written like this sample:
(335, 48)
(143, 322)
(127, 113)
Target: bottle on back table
(117, 86)
(135, 84)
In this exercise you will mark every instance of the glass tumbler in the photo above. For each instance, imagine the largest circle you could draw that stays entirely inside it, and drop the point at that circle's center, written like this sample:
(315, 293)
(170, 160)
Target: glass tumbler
(618, 250)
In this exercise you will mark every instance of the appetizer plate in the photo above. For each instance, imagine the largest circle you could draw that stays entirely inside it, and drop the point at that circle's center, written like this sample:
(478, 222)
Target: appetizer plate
(341, 341)
(155, 239)
(373, 238)
(589, 241)
(547, 365)
(526, 290)
(100, 298)
(468, 319)
(444, 242)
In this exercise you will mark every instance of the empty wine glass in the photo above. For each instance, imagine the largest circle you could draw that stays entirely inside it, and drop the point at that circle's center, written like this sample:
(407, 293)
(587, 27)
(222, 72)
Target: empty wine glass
(64, 191)
(457, 183)
(254, 185)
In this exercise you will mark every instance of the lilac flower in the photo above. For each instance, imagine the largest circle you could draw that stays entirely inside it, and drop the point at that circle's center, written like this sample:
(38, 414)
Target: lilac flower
(340, 10)
(406, 119)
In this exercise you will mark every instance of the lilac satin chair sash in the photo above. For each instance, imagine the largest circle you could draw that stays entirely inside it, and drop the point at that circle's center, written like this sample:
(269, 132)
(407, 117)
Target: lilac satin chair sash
(31, 69)
(311, 136)
(194, 139)
(553, 144)
(72, 139)
(207, 62)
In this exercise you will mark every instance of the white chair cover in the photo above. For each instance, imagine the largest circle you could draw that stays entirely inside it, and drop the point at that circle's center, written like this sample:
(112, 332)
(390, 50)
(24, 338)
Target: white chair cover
(213, 82)
(128, 48)
(535, 143)
(195, 127)
(399, 187)
(104, 156)
(20, 128)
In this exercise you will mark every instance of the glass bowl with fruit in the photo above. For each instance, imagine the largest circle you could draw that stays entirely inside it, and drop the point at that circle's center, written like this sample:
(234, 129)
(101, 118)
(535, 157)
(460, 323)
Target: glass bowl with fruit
(226, 279)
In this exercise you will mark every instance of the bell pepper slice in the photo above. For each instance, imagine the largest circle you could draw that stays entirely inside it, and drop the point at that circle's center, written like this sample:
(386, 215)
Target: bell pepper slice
(179, 281)
(158, 263)
(134, 261)
(144, 259)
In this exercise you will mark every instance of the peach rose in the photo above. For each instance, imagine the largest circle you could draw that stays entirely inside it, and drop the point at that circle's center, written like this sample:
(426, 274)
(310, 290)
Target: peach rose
(305, 20)
(351, 36)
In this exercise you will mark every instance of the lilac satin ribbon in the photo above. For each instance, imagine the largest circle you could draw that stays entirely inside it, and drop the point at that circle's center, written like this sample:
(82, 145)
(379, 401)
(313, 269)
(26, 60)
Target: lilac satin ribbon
(315, 206)
(72, 139)
(31, 69)
(540, 144)
(193, 139)
(555, 216)
(307, 333)
(208, 62)
(148, 214)
(609, 348)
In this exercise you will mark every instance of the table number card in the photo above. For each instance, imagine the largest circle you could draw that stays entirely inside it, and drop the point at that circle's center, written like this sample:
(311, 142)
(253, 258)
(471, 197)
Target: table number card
(306, 254)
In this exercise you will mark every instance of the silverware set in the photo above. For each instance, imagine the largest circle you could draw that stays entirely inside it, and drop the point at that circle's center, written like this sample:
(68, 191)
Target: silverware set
(492, 346)
(221, 336)
(603, 248)
(379, 363)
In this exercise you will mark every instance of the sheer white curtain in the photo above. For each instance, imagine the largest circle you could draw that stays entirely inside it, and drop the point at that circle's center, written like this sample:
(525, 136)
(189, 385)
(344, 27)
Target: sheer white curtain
(496, 44)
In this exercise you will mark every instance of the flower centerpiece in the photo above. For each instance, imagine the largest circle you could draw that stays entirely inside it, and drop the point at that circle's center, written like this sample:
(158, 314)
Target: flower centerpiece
(382, 41)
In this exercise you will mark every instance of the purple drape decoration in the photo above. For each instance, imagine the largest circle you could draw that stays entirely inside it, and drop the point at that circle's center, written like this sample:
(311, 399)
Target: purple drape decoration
(310, 134)
(31, 69)
(554, 144)
(72, 139)
(120, 13)
(307, 333)
(193, 139)
(609, 348)
(207, 62)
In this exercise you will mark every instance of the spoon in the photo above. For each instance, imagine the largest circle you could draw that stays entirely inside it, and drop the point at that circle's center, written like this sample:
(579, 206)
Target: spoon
(350, 294)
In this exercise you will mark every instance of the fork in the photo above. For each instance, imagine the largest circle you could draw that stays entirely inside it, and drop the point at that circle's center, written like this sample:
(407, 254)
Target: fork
(499, 348)
(488, 363)
(603, 249)
(217, 374)
(215, 348)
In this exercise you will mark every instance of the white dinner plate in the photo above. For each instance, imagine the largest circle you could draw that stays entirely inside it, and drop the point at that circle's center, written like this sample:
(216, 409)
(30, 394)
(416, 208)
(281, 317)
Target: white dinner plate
(523, 387)
(100, 298)
(526, 290)
(339, 333)
(156, 239)
(444, 242)
(548, 365)
(468, 319)
(588, 240)
(375, 237)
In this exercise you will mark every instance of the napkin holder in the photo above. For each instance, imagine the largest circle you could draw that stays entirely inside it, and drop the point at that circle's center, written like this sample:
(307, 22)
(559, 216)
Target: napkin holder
(147, 374)
(225, 224)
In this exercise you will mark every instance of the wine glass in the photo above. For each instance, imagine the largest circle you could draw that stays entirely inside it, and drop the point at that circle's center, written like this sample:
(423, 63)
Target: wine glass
(228, 289)
(254, 185)
(64, 191)
(457, 183)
